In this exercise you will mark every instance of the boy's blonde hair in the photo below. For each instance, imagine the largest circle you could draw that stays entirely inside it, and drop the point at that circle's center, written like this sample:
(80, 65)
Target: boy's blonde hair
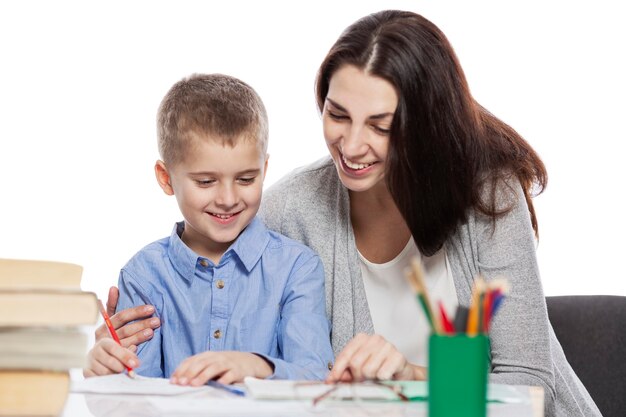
(215, 105)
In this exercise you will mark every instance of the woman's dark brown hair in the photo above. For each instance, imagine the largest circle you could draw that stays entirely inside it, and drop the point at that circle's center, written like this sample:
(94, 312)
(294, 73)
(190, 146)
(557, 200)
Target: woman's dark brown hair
(444, 146)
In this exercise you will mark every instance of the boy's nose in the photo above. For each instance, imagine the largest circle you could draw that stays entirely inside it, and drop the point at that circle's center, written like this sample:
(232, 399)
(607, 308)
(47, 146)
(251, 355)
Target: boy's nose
(226, 196)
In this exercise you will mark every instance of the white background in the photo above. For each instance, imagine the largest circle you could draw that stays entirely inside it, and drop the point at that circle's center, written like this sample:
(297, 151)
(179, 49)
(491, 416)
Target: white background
(80, 84)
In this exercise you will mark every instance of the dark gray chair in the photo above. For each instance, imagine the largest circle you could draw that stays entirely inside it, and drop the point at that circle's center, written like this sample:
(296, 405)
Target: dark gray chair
(592, 332)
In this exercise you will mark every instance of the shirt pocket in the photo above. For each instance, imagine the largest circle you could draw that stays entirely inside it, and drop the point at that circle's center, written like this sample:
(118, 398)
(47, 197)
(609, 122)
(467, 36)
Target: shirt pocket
(259, 331)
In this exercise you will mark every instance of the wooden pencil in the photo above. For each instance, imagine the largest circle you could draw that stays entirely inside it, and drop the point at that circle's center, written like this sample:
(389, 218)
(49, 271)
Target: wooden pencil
(416, 278)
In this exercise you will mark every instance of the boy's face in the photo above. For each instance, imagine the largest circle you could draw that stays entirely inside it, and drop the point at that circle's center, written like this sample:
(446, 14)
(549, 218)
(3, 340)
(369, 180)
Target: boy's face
(218, 189)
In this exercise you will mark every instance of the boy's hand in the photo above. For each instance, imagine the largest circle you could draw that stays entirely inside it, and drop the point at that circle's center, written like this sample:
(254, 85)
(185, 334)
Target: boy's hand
(226, 367)
(132, 334)
(107, 357)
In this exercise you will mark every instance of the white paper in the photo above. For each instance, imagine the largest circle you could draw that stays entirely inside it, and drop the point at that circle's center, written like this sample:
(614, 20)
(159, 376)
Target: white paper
(123, 384)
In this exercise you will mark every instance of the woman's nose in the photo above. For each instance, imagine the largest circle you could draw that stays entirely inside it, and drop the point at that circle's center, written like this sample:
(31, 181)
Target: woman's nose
(354, 142)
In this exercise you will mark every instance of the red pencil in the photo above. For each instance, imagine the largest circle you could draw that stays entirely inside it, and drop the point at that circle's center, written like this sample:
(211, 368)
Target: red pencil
(448, 327)
(109, 325)
(487, 310)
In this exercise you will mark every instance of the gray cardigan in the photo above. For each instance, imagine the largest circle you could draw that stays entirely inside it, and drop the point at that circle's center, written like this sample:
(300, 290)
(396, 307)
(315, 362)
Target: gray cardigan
(312, 206)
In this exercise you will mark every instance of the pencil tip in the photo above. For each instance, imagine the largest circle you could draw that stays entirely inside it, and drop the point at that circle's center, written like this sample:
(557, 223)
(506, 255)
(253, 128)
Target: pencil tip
(131, 374)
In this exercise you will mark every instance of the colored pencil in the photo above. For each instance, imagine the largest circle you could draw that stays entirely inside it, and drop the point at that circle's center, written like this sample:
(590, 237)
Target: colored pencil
(113, 333)
(416, 279)
(447, 325)
(475, 307)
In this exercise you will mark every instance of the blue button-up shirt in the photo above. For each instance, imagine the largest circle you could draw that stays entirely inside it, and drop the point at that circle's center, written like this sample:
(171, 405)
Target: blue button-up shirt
(266, 296)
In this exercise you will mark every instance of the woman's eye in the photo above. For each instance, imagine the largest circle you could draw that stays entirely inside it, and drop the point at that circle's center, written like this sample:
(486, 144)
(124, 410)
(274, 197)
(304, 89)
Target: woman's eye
(336, 116)
(381, 130)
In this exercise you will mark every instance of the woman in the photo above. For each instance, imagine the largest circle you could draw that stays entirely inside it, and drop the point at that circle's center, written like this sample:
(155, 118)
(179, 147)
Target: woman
(418, 167)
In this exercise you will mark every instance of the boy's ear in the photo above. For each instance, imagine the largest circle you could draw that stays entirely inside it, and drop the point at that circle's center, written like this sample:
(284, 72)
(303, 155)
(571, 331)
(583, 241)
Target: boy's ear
(163, 177)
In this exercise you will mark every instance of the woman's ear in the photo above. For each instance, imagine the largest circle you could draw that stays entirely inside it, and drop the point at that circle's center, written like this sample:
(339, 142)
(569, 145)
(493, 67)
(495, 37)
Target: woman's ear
(163, 177)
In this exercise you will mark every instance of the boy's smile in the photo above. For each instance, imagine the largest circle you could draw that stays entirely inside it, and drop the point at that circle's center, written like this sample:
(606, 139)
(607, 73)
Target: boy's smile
(218, 189)
(225, 218)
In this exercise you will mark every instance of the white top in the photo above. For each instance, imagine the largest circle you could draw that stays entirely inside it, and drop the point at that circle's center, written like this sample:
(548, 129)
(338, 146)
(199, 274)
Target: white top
(396, 314)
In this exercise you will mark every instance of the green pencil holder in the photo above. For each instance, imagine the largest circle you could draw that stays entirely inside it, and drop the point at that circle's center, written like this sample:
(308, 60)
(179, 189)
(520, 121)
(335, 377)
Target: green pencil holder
(457, 383)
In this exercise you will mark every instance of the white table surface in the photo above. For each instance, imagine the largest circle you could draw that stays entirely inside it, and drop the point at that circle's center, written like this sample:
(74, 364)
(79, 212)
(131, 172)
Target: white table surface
(99, 405)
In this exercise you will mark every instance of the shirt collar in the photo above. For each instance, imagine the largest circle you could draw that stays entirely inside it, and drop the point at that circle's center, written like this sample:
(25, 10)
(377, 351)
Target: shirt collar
(183, 259)
(248, 247)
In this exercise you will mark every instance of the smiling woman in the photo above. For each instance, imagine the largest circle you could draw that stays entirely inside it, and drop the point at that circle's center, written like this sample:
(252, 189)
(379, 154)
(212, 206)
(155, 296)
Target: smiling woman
(357, 116)
(419, 168)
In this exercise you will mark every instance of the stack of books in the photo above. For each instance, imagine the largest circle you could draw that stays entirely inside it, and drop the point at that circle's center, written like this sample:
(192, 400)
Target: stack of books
(42, 309)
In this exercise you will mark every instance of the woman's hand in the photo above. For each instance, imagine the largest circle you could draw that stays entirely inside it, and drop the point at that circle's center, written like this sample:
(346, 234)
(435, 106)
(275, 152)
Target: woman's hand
(131, 334)
(107, 357)
(226, 367)
(372, 357)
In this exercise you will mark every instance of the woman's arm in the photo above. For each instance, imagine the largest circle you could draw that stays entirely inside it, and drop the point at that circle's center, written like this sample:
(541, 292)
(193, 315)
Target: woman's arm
(368, 357)
(107, 357)
(520, 331)
(133, 325)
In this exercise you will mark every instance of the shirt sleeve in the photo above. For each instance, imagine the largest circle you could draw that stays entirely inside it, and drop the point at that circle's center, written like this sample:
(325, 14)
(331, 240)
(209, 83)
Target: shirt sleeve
(150, 354)
(303, 329)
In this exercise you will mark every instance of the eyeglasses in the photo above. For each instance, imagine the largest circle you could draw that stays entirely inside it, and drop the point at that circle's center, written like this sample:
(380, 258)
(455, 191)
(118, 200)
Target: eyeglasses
(369, 390)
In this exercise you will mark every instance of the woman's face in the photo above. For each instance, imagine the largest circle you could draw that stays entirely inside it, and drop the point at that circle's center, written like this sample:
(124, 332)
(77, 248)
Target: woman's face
(357, 119)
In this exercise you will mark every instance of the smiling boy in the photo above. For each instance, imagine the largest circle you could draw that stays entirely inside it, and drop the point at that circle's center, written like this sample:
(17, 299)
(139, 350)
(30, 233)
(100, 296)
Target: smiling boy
(234, 298)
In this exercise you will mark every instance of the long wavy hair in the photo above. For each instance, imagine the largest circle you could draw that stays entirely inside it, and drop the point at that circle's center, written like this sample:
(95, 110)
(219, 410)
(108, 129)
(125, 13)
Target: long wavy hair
(447, 153)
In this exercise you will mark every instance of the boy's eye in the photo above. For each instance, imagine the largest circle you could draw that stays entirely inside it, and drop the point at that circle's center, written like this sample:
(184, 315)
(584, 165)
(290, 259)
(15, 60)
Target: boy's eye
(246, 180)
(204, 182)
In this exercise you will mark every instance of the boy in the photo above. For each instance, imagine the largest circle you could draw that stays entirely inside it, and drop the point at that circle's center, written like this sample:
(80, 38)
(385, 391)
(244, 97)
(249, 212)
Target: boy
(234, 299)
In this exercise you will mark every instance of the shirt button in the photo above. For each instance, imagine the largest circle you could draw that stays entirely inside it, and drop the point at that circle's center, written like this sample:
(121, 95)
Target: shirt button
(217, 334)
(204, 262)
(330, 366)
(220, 284)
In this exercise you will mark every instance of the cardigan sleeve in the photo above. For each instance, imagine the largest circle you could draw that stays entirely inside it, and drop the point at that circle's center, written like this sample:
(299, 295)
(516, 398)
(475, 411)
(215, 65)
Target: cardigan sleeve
(519, 336)
(273, 206)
